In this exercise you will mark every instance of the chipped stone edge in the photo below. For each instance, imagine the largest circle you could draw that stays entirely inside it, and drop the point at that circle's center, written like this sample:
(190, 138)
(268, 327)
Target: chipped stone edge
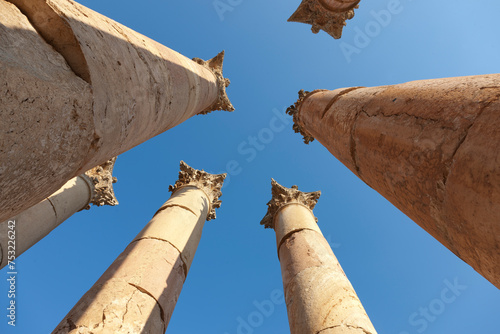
(102, 179)
(282, 196)
(210, 184)
(322, 17)
(215, 66)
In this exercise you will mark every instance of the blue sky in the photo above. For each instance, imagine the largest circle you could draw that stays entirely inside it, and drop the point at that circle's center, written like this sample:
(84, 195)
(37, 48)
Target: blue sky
(397, 269)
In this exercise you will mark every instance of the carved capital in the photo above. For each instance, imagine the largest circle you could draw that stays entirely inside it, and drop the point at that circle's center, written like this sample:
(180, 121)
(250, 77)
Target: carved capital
(283, 196)
(293, 111)
(210, 184)
(327, 15)
(215, 66)
(102, 180)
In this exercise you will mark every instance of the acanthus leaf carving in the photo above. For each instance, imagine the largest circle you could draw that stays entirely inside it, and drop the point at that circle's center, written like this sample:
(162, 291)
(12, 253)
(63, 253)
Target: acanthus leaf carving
(327, 15)
(102, 179)
(210, 184)
(215, 66)
(283, 196)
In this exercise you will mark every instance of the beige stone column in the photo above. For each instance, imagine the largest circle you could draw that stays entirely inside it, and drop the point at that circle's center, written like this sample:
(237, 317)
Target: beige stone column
(319, 297)
(77, 89)
(326, 15)
(93, 187)
(138, 293)
(430, 147)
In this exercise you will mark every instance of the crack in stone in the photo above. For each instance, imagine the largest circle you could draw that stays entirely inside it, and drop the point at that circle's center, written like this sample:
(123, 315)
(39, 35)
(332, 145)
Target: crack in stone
(348, 326)
(173, 205)
(162, 312)
(287, 236)
(352, 145)
(432, 120)
(184, 264)
(466, 133)
(126, 310)
(338, 96)
(53, 208)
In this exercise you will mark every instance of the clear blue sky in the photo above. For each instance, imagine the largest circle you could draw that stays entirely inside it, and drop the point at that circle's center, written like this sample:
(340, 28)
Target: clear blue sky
(397, 269)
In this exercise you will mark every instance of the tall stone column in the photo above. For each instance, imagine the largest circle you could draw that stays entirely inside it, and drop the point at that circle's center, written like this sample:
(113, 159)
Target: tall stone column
(430, 147)
(138, 293)
(319, 297)
(326, 15)
(93, 187)
(77, 89)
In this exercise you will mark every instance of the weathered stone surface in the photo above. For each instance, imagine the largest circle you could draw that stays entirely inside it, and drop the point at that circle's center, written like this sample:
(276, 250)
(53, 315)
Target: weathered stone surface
(429, 147)
(318, 295)
(86, 89)
(138, 292)
(32, 225)
(46, 111)
(327, 15)
(135, 295)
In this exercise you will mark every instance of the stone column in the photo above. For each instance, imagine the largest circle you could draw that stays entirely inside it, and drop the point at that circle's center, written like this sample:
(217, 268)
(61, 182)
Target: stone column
(138, 293)
(326, 15)
(77, 89)
(93, 187)
(319, 297)
(430, 147)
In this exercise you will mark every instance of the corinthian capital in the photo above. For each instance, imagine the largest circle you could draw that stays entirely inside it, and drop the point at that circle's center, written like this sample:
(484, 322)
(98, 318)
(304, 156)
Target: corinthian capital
(327, 15)
(210, 184)
(283, 196)
(102, 180)
(215, 66)
(293, 111)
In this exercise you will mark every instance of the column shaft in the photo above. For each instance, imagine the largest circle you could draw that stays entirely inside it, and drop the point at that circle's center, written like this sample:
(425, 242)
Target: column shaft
(85, 89)
(139, 291)
(318, 295)
(429, 147)
(95, 187)
(38, 221)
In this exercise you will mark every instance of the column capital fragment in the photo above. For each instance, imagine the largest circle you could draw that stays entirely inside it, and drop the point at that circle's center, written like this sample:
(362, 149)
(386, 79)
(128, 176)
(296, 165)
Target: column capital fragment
(215, 66)
(293, 111)
(102, 179)
(210, 184)
(327, 15)
(283, 196)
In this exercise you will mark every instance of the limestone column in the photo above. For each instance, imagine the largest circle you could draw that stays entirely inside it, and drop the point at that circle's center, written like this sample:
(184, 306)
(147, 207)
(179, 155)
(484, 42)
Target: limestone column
(138, 293)
(319, 297)
(326, 15)
(77, 89)
(430, 147)
(93, 187)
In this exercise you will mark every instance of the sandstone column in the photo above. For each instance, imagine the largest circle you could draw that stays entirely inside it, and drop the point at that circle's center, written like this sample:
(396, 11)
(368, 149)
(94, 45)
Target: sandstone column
(318, 295)
(327, 15)
(77, 89)
(430, 147)
(138, 293)
(93, 187)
